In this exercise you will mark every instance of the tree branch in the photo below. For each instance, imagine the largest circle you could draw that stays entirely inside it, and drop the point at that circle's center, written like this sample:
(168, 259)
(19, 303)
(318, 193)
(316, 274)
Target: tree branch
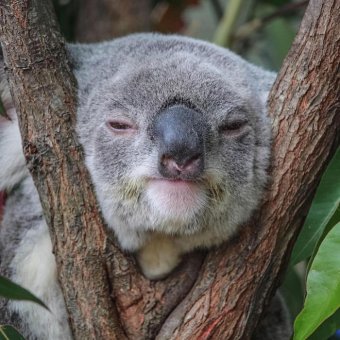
(43, 89)
(224, 30)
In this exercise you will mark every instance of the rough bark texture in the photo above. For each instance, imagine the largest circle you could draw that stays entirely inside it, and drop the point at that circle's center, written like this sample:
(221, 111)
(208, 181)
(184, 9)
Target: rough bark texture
(43, 89)
(107, 19)
(223, 298)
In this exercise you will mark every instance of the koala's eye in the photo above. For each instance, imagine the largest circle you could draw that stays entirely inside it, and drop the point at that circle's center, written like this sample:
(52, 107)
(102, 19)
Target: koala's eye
(119, 126)
(234, 128)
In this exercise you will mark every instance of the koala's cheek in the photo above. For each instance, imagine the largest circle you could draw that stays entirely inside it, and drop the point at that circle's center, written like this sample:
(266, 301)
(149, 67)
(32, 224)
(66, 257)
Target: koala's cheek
(175, 199)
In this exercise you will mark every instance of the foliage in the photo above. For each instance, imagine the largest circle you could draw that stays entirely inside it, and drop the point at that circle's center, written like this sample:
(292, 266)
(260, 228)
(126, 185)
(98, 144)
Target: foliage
(261, 31)
(323, 214)
(11, 290)
(8, 332)
(2, 109)
(319, 244)
(323, 290)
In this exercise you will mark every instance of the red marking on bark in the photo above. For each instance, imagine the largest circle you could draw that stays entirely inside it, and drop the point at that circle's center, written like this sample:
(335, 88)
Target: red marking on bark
(209, 329)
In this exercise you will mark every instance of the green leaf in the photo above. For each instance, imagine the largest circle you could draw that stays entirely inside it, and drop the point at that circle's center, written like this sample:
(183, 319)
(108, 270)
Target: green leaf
(280, 35)
(10, 333)
(332, 222)
(324, 206)
(11, 290)
(2, 110)
(293, 292)
(323, 287)
(328, 328)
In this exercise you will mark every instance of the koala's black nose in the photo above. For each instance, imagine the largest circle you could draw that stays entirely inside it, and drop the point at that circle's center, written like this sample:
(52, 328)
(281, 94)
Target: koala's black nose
(180, 132)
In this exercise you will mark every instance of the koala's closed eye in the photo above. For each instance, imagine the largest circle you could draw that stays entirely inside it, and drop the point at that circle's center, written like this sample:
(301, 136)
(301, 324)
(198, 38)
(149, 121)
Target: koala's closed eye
(234, 128)
(121, 126)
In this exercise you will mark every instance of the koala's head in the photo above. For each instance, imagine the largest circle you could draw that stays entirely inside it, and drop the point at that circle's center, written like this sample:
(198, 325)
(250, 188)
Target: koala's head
(174, 131)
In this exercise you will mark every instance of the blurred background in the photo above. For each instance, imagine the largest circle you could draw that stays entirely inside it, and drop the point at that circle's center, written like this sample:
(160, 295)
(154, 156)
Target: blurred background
(260, 30)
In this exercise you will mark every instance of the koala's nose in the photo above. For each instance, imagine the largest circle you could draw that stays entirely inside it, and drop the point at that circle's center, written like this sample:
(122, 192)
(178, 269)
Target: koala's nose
(180, 133)
(189, 168)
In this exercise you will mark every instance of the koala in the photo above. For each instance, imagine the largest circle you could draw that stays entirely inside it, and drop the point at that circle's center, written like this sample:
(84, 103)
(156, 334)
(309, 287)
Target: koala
(177, 142)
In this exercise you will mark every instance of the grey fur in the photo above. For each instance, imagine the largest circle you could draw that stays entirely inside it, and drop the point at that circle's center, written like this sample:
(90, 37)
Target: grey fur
(143, 73)
(275, 322)
(133, 79)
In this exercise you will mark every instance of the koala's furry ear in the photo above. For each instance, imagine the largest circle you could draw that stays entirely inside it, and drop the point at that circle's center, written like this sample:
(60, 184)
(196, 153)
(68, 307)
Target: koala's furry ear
(264, 81)
(73, 55)
(79, 53)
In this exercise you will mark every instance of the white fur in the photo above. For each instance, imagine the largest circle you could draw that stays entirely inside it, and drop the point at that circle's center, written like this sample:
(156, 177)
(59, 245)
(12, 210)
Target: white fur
(35, 269)
(12, 161)
(159, 256)
(175, 201)
(170, 204)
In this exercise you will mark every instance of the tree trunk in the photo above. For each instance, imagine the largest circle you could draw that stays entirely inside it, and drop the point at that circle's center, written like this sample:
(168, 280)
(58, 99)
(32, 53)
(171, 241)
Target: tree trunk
(223, 298)
(43, 90)
(107, 19)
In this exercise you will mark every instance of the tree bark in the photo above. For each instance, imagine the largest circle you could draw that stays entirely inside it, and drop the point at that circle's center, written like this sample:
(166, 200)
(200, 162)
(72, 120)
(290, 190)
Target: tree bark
(43, 89)
(107, 19)
(224, 297)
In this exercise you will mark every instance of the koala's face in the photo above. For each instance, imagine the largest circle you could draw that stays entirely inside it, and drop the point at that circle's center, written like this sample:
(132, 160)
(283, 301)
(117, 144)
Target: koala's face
(173, 142)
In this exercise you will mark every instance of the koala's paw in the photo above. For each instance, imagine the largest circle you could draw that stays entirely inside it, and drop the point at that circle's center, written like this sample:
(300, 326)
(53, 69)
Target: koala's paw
(158, 258)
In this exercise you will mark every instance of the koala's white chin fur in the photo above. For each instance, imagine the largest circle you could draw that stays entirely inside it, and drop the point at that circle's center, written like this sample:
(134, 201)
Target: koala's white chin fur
(175, 200)
(159, 257)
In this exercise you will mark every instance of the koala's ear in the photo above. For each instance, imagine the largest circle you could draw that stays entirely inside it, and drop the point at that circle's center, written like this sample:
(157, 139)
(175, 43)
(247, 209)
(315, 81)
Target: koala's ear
(7, 110)
(73, 56)
(264, 81)
(78, 54)
(264, 95)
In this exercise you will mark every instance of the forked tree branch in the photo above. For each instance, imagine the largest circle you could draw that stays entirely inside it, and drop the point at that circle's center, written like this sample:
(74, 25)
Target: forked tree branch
(226, 299)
